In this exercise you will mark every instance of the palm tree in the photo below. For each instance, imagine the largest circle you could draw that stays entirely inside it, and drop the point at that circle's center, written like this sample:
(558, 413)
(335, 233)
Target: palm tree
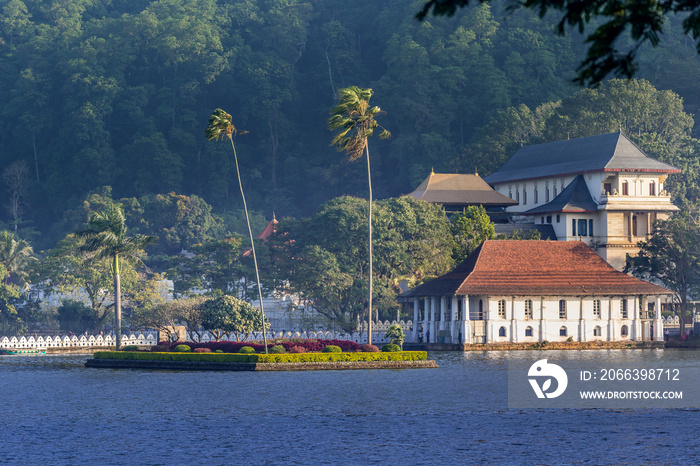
(353, 118)
(16, 255)
(221, 126)
(105, 238)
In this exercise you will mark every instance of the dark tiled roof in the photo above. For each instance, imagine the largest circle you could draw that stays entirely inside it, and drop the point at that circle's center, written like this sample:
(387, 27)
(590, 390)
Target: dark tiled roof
(453, 188)
(607, 152)
(546, 230)
(575, 198)
(535, 268)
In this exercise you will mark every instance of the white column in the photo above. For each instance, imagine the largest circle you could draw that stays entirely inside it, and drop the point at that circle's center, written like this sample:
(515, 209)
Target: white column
(488, 324)
(658, 322)
(426, 317)
(434, 309)
(466, 323)
(513, 323)
(636, 323)
(416, 324)
(443, 314)
(611, 327)
(543, 322)
(453, 321)
(581, 322)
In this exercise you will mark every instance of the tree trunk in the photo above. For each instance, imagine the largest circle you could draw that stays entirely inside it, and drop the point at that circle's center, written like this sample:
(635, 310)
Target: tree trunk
(117, 304)
(369, 183)
(252, 244)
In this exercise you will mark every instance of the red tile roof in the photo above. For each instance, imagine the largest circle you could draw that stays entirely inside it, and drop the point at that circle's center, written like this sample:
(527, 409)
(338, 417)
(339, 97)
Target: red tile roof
(535, 268)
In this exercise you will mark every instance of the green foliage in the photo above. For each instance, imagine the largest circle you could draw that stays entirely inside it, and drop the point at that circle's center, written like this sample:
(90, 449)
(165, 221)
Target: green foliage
(326, 263)
(332, 349)
(612, 22)
(246, 350)
(671, 256)
(227, 314)
(265, 358)
(471, 229)
(182, 349)
(390, 348)
(395, 333)
(367, 348)
(277, 349)
(76, 317)
(131, 348)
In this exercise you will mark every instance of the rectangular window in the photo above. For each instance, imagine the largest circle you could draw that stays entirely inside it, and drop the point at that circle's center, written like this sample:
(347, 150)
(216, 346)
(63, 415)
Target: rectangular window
(596, 308)
(625, 188)
(607, 188)
(558, 218)
(582, 227)
(623, 308)
(546, 194)
(590, 227)
(549, 219)
(573, 227)
(562, 309)
(524, 196)
(537, 197)
(501, 308)
(528, 309)
(652, 189)
(555, 191)
(542, 220)
(517, 196)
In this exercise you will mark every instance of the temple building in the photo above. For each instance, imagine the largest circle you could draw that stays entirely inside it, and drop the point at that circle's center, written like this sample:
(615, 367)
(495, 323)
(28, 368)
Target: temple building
(531, 291)
(602, 190)
(455, 192)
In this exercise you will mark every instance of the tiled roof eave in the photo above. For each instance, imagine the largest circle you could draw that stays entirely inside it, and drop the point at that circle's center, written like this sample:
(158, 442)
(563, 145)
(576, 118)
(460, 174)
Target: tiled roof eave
(564, 211)
(645, 170)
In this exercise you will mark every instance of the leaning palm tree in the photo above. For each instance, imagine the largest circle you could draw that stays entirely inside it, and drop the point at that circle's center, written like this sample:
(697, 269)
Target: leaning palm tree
(353, 118)
(221, 126)
(105, 238)
(17, 256)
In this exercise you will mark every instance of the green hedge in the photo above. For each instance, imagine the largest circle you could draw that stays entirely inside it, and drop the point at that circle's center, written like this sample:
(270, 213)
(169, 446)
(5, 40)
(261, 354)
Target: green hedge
(264, 358)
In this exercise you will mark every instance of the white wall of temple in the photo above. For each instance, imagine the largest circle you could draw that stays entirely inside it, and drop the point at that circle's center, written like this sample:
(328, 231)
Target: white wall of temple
(491, 319)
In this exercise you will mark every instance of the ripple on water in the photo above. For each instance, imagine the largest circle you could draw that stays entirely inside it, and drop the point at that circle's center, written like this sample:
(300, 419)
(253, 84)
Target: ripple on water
(56, 410)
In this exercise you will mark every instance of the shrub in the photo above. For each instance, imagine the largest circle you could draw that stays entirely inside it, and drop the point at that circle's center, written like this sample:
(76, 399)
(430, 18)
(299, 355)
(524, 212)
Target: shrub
(160, 348)
(131, 348)
(202, 350)
(247, 350)
(391, 348)
(264, 358)
(297, 349)
(182, 349)
(332, 349)
(367, 348)
(218, 351)
(277, 349)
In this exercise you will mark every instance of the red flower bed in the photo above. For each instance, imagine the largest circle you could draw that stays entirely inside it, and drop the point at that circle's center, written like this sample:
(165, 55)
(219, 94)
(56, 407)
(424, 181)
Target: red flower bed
(311, 346)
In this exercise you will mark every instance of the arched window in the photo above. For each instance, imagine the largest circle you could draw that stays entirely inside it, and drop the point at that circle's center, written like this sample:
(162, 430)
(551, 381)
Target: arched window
(502, 332)
(528, 309)
(597, 331)
(528, 331)
(624, 331)
(562, 331)
(501, 308)
(562, 309)
(596, 308)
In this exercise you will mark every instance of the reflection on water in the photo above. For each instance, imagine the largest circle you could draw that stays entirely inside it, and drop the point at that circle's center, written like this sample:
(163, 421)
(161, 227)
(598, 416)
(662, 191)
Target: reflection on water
(55, 410)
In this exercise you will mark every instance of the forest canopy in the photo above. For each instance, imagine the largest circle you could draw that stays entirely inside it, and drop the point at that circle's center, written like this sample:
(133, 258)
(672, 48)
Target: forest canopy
(117, 93)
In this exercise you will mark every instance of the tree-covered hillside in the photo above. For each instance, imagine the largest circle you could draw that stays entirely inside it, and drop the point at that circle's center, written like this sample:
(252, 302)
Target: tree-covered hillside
(118, 92)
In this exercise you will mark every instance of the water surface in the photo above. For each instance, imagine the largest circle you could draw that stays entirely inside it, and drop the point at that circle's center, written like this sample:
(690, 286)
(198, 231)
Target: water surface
(54, 410)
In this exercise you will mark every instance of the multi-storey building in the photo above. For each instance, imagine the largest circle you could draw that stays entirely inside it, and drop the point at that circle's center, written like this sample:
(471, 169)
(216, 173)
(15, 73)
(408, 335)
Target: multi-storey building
(602, 190)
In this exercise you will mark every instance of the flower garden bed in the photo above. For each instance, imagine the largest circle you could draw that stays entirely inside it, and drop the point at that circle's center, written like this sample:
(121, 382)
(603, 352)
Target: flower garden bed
(261, 362)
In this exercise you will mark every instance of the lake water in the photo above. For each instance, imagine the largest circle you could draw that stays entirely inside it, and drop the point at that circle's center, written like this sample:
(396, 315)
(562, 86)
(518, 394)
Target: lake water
(54, 410)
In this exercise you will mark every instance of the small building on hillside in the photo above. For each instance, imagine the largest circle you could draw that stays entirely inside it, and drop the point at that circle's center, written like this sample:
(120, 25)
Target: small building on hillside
(455, 192)
(602, 190)
(530, 291)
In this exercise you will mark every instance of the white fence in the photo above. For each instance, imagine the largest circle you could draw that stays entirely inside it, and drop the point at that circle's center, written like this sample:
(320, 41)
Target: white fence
(378, 334)
(151, 338)
(75, 341)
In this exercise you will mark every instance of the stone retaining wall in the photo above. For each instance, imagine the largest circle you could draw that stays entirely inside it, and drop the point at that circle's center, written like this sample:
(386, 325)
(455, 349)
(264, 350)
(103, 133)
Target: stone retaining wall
(561, 345)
